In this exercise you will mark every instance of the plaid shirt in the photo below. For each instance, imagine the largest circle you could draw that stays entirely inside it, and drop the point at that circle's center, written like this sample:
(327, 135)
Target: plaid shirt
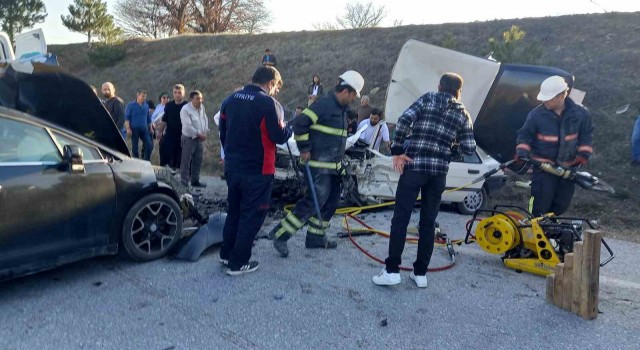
(432, 125)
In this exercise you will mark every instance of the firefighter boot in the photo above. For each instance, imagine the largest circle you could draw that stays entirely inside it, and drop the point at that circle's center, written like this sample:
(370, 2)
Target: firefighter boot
(280, 236)
(316, 235)
(319, 241)
(283, 231)
(280, 244)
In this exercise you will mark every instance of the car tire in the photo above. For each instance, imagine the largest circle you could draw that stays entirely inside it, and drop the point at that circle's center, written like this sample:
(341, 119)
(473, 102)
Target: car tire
(473, 201)
(152, 227)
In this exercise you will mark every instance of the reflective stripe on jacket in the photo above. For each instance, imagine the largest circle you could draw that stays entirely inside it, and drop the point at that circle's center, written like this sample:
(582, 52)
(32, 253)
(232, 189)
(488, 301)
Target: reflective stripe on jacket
(549, 138)
(322, 130)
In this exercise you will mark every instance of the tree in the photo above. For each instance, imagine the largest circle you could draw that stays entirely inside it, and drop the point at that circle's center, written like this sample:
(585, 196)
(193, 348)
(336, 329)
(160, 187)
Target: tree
(88, 16)
(236, 16)
(357, 15)
(178, 14)
(19, 14)
(512, 48)
(255, 19)
(143, 18)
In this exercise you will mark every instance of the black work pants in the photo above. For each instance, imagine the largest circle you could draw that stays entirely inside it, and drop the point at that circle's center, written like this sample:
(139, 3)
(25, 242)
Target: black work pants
(411, 183)
(550, 193)
(249, 200)
(170, 151)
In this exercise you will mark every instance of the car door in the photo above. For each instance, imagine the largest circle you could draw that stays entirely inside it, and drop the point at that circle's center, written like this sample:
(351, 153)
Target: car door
(462, 170)
(42, 205)
(92, 192)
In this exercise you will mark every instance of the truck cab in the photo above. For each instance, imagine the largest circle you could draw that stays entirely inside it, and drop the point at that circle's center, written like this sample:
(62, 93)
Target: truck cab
(30, 47)
(6, 49)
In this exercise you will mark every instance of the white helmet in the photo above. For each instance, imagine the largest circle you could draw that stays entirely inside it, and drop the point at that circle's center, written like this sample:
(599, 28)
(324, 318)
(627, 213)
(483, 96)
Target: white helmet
(353, 79)
(551, 87)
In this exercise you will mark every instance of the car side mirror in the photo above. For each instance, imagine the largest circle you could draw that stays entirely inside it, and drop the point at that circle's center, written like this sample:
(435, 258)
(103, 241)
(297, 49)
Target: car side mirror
(74, 159)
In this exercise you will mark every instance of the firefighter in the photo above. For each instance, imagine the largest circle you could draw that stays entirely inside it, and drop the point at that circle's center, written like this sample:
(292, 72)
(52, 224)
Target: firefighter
(320, 133)
(558, 132)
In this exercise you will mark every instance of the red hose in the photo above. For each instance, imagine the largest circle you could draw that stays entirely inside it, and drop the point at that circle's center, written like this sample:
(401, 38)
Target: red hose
(433, 269)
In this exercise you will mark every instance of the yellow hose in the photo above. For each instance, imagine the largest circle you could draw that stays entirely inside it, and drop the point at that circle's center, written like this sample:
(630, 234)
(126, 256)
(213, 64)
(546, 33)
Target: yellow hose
(357, 210)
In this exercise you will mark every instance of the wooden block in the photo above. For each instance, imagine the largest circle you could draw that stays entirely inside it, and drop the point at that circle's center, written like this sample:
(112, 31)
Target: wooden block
(577, 276)
(558, 270)
(591, 269)
(567, 283)
(550, 286)
(585, 271)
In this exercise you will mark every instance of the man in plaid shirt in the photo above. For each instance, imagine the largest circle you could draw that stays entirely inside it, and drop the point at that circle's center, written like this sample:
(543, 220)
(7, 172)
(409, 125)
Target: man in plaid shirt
(432, 125)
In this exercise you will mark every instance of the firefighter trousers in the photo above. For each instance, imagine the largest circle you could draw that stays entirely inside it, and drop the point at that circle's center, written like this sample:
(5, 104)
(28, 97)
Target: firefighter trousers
(327, 188)
(550, 193)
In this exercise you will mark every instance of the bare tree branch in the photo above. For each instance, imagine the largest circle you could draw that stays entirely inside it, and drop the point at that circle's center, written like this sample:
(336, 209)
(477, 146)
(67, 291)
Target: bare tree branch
(362, 15)
(146, 18)
(178, 14)
(357, 15)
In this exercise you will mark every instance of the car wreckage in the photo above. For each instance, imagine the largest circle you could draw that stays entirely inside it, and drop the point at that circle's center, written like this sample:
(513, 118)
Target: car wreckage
(497, 96)
(69, 189)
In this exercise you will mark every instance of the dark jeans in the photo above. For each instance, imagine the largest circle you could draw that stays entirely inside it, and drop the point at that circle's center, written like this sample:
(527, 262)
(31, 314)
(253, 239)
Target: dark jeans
(249, 200)
(170, 151)
(143, 134)
(410, 185)
(550, 193)
(191, 159)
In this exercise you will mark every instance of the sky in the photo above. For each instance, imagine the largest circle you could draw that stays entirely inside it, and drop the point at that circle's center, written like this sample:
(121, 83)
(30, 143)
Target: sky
(296, 15)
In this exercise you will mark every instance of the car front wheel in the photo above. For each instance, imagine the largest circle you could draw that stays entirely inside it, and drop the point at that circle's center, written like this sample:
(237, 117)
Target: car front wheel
(473, 201)
(152, 227)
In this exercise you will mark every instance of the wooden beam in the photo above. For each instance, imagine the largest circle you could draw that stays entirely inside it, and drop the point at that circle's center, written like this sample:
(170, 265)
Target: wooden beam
(577, 277)
(590, 275)
(567, 283)
(550, 285)
(557, 284)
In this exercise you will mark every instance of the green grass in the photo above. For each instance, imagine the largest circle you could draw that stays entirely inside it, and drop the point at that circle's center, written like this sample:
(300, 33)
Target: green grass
(602, 55)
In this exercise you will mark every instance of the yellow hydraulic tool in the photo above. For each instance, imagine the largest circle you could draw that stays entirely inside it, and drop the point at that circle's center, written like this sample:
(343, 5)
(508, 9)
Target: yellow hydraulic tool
(500, 234)
(529, 244)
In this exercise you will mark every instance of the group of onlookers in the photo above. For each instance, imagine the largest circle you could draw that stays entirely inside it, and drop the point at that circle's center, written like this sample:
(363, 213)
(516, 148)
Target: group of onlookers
(180, 127)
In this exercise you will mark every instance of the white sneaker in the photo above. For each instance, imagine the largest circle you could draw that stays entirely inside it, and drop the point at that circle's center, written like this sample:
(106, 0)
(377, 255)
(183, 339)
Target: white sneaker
(421, 281)
(386, 279)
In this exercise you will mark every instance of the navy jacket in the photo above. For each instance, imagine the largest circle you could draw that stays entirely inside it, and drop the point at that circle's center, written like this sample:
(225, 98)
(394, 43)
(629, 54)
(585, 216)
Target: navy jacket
(549, 138)
(251, 124)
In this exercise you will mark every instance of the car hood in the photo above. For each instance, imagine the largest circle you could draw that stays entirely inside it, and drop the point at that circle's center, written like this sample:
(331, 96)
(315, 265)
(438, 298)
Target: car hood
(62, 99)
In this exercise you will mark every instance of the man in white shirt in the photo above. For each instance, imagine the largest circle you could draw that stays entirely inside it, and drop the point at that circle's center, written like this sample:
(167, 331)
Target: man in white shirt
(374, 135)
(194, 132)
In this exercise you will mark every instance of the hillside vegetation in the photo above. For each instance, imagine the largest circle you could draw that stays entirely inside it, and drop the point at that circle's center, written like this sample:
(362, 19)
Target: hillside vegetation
(601, 50)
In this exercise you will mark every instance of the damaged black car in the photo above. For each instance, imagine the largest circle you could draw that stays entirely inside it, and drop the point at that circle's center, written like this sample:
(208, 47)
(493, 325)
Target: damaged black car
(69, 189)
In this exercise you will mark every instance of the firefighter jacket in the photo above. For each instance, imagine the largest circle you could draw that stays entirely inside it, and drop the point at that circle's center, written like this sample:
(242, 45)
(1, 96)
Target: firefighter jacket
(550, 138)
(322, 130)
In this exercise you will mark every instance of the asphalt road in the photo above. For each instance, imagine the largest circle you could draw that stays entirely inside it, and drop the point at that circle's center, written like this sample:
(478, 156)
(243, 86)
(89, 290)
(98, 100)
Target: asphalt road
(312, 300)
